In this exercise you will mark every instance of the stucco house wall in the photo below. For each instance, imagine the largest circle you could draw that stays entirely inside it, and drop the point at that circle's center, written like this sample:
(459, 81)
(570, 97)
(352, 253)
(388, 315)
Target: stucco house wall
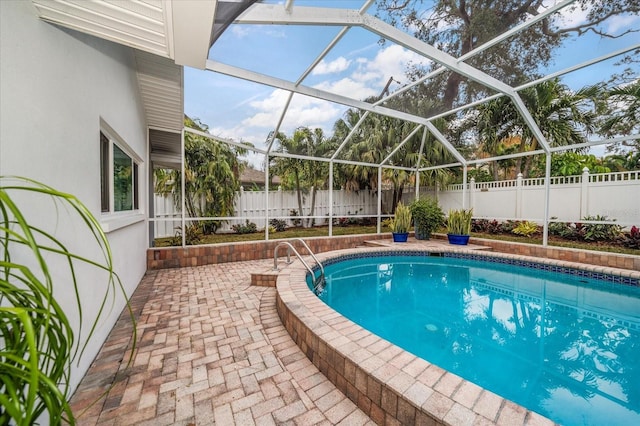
(56, 88)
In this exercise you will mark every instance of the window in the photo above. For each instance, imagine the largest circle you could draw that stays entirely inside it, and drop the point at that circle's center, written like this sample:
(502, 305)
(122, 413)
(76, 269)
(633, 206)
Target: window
(118, 176)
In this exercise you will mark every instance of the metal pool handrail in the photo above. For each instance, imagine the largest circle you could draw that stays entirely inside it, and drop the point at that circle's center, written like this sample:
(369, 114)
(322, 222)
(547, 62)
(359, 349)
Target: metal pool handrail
(291, 248)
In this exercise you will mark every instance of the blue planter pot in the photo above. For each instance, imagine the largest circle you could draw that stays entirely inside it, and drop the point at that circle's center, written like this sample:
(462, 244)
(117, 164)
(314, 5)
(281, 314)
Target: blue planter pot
(461, 240)
(400, 237)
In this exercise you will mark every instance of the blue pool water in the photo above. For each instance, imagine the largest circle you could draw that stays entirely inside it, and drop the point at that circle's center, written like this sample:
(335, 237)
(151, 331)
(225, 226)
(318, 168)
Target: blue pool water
(564, 346)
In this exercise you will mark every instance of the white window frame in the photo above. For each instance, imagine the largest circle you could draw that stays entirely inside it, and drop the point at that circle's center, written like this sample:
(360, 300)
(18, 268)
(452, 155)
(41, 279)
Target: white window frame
(112, 220)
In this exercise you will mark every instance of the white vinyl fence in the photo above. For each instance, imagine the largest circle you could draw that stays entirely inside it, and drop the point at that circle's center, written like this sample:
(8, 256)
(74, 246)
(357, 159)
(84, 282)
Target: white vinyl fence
(615, 195)
(571, 198)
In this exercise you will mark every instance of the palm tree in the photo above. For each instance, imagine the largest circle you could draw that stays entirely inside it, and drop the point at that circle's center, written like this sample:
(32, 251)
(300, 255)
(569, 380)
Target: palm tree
(622, 117)
(212, 172)
(564, 117)
(303, 174)
(623, 112)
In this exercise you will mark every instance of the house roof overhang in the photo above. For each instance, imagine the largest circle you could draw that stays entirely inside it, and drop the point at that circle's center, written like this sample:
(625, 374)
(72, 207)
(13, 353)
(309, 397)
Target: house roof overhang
(166, 35)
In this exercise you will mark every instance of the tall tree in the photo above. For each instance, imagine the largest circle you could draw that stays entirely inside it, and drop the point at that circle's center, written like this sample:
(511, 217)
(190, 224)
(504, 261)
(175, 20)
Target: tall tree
(622, 117)
(564, 117)
(459, 26)
(303, 175)
(212, 177)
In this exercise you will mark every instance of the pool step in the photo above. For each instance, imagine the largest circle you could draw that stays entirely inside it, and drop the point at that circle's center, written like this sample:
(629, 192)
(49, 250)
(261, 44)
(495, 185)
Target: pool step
(432, 244)
(265, 278)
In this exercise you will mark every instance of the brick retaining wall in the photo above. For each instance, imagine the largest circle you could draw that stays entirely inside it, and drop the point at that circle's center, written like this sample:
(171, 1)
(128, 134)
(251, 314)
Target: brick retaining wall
(177, 257)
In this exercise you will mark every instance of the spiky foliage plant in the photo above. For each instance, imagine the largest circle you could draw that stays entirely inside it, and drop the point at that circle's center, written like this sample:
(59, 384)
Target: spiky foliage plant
(402, 220)
(37, 339)
(459, 222)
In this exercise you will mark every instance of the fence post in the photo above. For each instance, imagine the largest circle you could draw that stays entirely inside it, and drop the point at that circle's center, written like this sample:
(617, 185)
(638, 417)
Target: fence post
(281, 204)
(472, 193)
(584, 193)
(519, 196)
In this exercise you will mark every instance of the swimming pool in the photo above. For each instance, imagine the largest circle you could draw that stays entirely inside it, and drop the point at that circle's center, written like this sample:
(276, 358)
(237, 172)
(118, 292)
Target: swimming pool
(556, 340)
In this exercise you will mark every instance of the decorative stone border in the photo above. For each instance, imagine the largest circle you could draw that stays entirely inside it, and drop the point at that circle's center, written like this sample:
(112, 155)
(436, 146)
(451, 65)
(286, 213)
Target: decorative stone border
(389, 384)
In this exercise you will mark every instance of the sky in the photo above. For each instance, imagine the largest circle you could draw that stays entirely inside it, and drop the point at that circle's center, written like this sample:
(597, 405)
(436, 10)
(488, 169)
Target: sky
(358, 66)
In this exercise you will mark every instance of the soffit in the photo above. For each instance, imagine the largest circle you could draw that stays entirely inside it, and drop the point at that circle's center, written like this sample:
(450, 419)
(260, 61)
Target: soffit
(163, 33)
(161, 88)
(146, 26)
(143, 24)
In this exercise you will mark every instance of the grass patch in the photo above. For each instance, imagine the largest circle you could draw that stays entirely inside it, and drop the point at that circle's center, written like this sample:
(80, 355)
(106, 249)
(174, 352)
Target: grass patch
(558, 242)
(319, 231)
(323, 231)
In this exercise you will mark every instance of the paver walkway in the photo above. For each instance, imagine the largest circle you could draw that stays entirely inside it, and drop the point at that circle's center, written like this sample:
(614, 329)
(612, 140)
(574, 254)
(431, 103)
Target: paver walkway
(211, 350)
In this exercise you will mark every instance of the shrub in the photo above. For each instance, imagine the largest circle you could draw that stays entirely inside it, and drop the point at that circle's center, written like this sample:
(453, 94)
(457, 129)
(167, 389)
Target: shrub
(427, 217)
(479, 225)
(296, 222)
(566, 230)
(600, 231)
(247, 228)
(210, 226)
(486, 226)
(508, 226)
(630, 239)
(278, 225)
(192, 235)
(525, 228)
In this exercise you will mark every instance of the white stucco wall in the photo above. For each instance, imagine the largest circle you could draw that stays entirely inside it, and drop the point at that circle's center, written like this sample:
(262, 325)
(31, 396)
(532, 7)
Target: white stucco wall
(55, 86)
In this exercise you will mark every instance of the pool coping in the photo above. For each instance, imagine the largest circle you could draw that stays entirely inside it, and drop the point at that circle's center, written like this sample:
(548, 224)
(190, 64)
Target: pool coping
(390, 385)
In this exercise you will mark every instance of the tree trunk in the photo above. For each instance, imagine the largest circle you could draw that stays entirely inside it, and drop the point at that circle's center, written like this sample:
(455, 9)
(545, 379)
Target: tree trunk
(394, 199)
(452, 89)
(311, 221)
(300, 212)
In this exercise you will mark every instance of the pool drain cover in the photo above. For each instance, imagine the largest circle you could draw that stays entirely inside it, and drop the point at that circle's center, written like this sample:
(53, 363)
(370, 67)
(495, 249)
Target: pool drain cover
(431, 327)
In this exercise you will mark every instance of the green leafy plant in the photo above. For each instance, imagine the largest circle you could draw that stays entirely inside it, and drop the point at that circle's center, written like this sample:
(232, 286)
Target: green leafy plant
(278, 225)
(600, 231)
(38, 342)
(508, 226)
(192, 235)
(294, 221)
(402, 220)
(459, 222)
(525, 228)
(427, 217)
(486, 226)
(631, 239)
(247, 228)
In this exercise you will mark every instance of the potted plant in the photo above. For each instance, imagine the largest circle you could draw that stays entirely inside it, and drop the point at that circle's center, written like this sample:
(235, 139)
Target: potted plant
(459, 226)
(401, 223)
(427, 217)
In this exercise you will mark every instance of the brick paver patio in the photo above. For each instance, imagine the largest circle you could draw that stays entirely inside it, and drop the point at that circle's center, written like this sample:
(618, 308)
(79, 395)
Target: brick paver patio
(211, 350)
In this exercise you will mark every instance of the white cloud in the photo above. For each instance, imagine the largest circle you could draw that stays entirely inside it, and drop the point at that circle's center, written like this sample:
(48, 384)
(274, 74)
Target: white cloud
(574, 16)
(392, 62)
(275, 33)
(239, 31)
(353, 87)
(371, 75)
(617, 23)
(338, 65)
(302, 111)
(262, 112)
